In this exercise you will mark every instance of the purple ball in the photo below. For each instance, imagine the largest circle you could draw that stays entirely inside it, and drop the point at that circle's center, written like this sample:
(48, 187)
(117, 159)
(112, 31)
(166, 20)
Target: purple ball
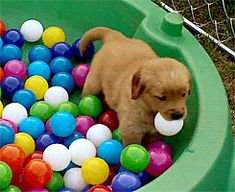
(65, 189)
(62, 49)
(160, 145)
(90, 50)
(46, 139)
(83, 123)
(13, 36)
(159, 162)
(80, 73)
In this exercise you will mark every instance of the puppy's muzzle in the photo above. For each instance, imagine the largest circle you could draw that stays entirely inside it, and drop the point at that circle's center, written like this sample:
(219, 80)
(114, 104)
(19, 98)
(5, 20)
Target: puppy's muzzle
(177, 115)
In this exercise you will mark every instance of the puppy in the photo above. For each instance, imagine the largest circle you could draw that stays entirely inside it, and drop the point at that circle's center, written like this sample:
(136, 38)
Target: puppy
(136, 83)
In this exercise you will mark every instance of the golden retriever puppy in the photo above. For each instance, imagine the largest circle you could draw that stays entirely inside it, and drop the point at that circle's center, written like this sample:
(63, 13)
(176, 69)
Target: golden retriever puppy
(136, 83)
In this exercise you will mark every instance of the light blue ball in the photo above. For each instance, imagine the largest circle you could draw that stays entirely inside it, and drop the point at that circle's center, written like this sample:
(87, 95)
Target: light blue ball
(10, 52)
(39, 52)
(64, 80)
(110, 151)
(62, 124)
(7, 135)
(1, 43)
(33, 126)
(39, 68)
(74, 136)
(25, 97)
(61, 64)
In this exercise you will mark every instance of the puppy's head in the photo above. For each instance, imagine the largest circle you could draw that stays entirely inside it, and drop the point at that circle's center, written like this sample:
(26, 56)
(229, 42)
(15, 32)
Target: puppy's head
(163, 85)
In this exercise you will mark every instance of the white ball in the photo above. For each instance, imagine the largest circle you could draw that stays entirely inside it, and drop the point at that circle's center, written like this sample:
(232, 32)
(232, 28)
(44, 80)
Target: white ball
(56, 95)
(57, 156)
(31, 30)
(98, 133)
(81, 150)
(167, 128)
(14, 112)
(73, 179)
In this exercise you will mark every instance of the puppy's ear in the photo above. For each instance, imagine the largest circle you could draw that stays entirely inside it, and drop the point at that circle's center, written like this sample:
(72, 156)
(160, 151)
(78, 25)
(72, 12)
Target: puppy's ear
(137, 87)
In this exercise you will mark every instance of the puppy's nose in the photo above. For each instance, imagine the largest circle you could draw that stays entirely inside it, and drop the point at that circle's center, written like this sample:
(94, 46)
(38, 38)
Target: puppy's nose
(177, 115)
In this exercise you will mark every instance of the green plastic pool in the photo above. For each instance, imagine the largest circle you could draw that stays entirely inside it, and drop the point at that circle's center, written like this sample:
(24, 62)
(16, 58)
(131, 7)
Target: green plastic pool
(204, 150)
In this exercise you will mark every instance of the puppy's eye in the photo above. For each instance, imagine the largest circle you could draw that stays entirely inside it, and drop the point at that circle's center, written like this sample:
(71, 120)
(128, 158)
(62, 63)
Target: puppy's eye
(163, 98)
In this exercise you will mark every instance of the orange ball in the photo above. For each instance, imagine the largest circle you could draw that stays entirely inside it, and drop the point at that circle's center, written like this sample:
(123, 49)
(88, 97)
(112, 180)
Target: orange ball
(3, 28)
(1, 74)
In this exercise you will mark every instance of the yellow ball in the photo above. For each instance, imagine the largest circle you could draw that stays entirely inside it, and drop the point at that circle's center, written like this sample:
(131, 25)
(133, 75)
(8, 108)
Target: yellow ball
(38, 85)
(26, 142)
(1, 108)
(95, 171)
(53, 35)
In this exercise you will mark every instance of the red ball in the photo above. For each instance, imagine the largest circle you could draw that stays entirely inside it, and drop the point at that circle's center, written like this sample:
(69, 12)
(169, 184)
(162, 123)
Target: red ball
(109, 118)
(112, 174)
(33, 155)
(2, 75)
(19, 181)
(3, 28)
(13, 155)
(37, 173)
(100, 188)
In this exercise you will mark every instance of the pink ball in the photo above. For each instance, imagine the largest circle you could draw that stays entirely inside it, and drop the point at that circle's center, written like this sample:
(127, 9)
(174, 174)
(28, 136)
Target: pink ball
(10, 124)
(160, 145)
(37, 189)
(48, 129)
(83, 123)
(15, 67)
(80, 73)
(160, 161)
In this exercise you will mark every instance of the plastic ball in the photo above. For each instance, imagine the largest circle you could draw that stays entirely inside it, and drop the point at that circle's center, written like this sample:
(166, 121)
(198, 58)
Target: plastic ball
(116, 135)
(98, 133)
(53, 35)
(109, 118)
(1, 42)
(95, 171)
(125, 181)
(10, 124)
(74, 136)
(57, 156)
(80, 73)
(3, 28)
(64, 80)
(135, 158)
(39, 68)
(62, 124)
(73, 179)
(13, 36)
(38, 85)
(25, 97)
(56, 182)
(31, 30)
(42, 110)
(160, 145)
(40, 52)
(26, 142)
(5, 175)
(70, 166)
(10, 52)
(10, 85)
(61, 64)
(15, 67)
(66, 189)
(62, 49)
(69, 107)
(7, 135)
(112, 174)
(37, 173)
(12, 188)
(33, 155)
(167, 128)
(110, 151)
(90, 105)
(81, 150)
(47, 125)
(13, 155)
(1, 108)
(37, 189)
(160, 161)
(2, 75)
(90, 50)
(33, 126)
(56, 95)
(83, 123)
(100, 188)
(46, 139)
(14, 112)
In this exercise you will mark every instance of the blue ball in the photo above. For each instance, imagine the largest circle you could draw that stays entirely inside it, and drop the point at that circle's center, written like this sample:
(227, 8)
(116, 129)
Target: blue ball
(10, 52)
(13, 36)
(74, 136)
(25, 97)
(90, 50)
(10, 85)
(110, 151)
(1, 43)
(7, 135)
(39, 52)
(62, 124)
(86, 188)
(46, 139)
(39, 68)
(125, 181)
(61, 64)
(71, 165)
(65, 189)
(64, 80)
(33, 126)
(62, 49)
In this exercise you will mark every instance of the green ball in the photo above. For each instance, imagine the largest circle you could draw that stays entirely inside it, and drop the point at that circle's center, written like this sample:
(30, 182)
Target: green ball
(12, 188)
(0, 92)
(69, 107)
(42, 110)
(56, 182)
(5, 175)
(135, 158)
(90, 105)
(116, 135)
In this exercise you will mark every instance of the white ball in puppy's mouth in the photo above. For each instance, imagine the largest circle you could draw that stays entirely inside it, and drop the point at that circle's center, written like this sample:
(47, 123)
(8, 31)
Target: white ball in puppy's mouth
(167, 128)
